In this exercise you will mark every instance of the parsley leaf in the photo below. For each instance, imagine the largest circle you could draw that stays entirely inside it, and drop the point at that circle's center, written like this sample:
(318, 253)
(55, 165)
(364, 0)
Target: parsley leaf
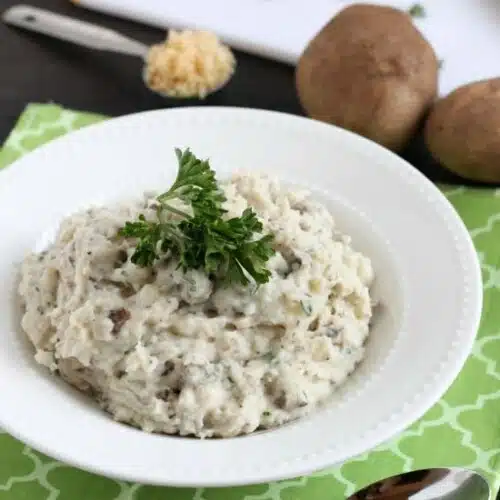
(197, 234)
(252, 257)
(193, 175)
(148, 235)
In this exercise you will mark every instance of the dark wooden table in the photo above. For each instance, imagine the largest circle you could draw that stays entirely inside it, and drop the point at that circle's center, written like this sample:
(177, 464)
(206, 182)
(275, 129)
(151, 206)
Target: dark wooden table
(34, 68)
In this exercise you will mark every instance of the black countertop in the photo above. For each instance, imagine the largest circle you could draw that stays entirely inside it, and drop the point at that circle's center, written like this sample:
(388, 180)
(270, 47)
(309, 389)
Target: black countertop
(34, 68)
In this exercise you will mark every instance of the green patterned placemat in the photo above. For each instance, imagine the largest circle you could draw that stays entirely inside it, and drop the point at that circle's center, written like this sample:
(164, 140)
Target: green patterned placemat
(463, 429)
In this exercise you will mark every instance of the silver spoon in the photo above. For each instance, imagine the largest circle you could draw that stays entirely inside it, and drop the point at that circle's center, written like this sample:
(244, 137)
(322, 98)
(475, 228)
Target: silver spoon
(81, 33)
(429, 484)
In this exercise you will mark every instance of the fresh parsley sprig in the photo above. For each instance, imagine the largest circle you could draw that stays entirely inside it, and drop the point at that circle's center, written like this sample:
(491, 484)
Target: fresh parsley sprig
(197, 234)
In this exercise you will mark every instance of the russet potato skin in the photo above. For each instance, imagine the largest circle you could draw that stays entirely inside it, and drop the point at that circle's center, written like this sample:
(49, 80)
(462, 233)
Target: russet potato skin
(369, 70)
(463, 131)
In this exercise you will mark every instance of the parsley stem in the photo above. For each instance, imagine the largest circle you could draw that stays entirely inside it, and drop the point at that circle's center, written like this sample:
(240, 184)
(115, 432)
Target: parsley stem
(167, 196)
(175, 210)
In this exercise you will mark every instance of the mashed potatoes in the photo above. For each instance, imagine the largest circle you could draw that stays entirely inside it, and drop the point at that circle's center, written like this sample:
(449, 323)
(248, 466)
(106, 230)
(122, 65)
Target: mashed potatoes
(172, 352)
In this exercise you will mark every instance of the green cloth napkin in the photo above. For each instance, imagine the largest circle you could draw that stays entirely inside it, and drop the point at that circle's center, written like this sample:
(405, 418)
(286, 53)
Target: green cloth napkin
(463, 429)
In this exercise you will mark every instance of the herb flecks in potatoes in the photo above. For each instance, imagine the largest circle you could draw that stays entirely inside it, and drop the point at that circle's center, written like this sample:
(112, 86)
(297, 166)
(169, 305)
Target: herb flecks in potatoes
(371, 71)
(462, 131)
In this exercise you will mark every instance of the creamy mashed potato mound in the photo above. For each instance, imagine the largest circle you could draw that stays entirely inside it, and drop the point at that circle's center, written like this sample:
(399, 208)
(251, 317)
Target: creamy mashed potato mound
(174, 352)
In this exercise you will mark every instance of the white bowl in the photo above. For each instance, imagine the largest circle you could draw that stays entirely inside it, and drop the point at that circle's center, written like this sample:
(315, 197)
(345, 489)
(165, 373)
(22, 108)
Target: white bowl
(428, 282)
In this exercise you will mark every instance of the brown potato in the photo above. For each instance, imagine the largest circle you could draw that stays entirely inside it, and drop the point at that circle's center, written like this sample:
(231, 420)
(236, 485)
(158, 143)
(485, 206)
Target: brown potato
(371, 71)
(463, 131)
